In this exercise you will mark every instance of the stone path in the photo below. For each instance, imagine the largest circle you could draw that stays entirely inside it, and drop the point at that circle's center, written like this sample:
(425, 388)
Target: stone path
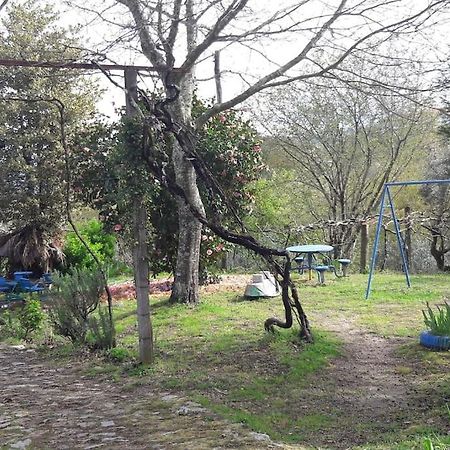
(48, 407)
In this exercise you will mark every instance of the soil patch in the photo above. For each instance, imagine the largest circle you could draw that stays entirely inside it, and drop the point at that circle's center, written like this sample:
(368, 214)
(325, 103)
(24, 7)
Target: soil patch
(125, 290)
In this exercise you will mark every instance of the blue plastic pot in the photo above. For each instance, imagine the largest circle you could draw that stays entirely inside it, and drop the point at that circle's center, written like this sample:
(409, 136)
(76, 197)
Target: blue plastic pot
(434, 342)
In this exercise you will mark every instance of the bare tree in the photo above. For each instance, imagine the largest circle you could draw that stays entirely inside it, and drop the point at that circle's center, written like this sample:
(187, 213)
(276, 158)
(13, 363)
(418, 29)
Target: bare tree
(322, 35)
(345, 144)
(177, 36)
(437, 197)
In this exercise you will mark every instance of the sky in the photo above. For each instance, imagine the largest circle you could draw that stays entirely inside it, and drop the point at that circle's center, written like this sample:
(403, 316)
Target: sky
(240, 61)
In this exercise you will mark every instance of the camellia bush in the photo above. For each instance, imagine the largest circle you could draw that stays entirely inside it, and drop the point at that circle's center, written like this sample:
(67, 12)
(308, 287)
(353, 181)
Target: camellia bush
(231, 150)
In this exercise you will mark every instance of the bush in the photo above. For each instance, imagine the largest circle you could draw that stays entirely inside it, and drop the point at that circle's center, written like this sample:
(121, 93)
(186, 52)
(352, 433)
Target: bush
(74, 298)
(119, 354)
(102, 244)
(31, 317)
(438, 323)
(101, 332)
(9, 325)
(22, 321)
(117, 268)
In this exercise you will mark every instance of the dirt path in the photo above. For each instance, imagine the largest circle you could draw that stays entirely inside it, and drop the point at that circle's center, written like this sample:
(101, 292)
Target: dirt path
(45, 407)
(370, 389)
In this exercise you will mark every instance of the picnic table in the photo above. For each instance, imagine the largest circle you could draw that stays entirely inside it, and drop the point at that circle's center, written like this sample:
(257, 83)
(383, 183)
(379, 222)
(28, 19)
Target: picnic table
(23, 274)
(310, 252)
(13, 290)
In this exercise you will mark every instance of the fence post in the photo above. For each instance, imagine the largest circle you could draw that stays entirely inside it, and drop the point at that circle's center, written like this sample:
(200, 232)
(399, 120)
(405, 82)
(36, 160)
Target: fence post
(364, 247)
(140, 251)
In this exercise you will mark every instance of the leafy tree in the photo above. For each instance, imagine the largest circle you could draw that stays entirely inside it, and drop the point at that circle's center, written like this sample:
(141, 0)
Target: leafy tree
(280, 201)
(32, 198)
(109, 174)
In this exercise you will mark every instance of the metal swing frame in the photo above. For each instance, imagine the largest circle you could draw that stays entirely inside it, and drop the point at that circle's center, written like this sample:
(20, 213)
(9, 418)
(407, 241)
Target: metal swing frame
(386, 195)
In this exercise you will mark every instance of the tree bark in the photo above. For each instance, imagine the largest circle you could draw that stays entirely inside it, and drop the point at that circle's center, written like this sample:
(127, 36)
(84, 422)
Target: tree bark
(438, 250)
(408, 239)
(364, 247)
(185, 286)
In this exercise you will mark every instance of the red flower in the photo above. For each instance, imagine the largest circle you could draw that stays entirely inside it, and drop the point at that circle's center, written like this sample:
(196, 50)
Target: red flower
(117, 227)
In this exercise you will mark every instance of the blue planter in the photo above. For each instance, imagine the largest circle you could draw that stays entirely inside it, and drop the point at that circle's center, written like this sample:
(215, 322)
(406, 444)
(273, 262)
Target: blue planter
(434, 342)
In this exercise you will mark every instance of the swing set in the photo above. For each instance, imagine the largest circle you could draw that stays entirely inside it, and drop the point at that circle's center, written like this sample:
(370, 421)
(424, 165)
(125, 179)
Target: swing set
(386, 202)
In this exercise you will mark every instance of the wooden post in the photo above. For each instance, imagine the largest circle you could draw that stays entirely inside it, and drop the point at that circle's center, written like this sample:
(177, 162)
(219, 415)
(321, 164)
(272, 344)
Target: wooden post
(140, 253)
(364, 247)
(408, 238)
(217, 76)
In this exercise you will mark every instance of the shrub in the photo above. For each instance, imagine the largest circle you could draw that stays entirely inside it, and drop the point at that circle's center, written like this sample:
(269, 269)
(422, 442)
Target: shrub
(31, 317)
(438, 323)
(101, 332)
(119, 354)
(102, 244)
(74, 298)
(9, 325)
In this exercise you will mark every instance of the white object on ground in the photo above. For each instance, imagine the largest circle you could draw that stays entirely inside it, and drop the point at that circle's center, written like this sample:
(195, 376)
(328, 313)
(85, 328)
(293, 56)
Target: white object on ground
(263, 285)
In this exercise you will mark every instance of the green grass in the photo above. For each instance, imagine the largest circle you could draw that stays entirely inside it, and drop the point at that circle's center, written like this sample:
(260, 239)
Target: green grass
(219, 354)
(392, 308)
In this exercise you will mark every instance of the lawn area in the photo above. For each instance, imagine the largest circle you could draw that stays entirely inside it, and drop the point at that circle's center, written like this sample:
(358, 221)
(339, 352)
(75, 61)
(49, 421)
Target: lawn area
(364, 384)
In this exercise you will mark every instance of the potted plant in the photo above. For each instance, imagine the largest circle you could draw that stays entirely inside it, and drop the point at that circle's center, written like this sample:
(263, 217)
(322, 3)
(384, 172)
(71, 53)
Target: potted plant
(438, 323)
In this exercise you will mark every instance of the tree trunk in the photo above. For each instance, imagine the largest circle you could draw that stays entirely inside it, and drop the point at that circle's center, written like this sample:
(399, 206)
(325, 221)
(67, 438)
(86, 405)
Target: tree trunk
(364, 247)
(437, 253)
(185, 286)
(408, 239)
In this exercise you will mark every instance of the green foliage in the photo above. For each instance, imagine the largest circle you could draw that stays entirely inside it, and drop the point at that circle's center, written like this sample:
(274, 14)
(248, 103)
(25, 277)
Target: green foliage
(74, 297)
(232, 151)
(438, 323)
(277, 209)
(102, 244)
(434, 443)
(21, 322)
(31, 157)
(9, 325)
(118, 176)
(31, 317)
(212, 252)
(118, 354)
(428, 444)
(101, 333)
